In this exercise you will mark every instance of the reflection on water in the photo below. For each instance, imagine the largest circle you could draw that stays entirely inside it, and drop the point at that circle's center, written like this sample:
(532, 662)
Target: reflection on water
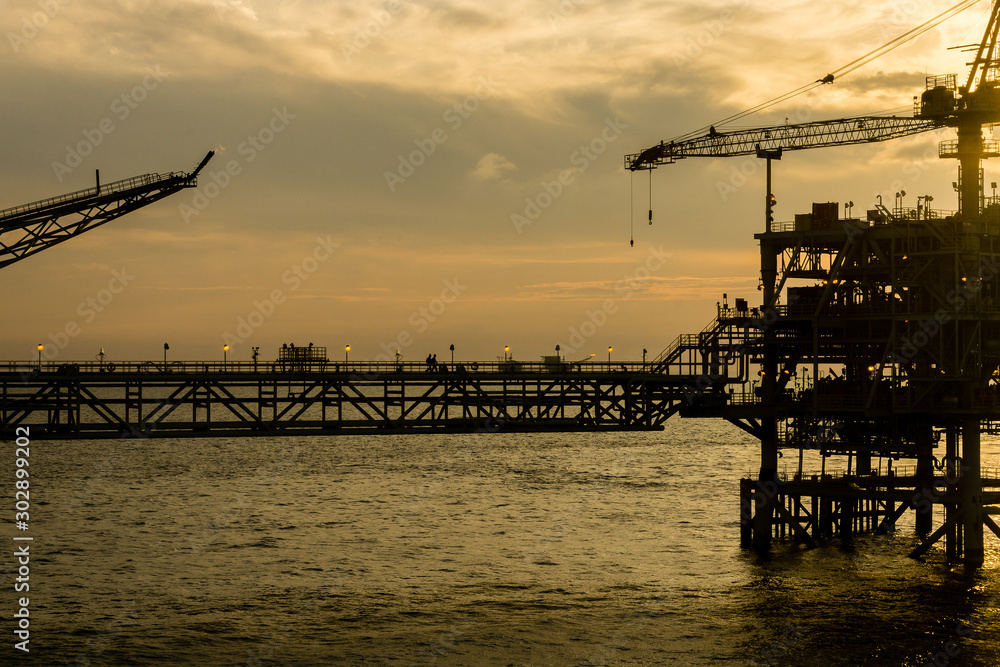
(575, 549)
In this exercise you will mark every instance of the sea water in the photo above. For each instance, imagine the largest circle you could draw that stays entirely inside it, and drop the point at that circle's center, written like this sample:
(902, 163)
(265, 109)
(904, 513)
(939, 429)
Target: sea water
(479, 549)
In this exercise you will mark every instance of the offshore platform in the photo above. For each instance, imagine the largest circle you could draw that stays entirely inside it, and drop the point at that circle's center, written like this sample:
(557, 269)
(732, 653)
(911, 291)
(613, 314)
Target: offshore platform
(905, 302)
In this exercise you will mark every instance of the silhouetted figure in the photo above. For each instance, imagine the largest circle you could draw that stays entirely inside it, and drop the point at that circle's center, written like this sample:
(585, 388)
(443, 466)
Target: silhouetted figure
(430, 362)
(434, 362)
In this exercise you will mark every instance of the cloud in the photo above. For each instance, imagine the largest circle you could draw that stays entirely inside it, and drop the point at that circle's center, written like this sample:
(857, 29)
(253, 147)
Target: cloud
(491, 167)
(225, 7)
(228, 64)
(647, 288)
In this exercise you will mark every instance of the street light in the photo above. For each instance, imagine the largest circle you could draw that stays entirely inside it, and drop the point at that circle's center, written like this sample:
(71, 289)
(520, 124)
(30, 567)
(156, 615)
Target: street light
(225, 354)
(165, 348)
(347, 351)
(40, 348)
(452, 348)
(557, 352)
(506, 349)
(609, 356)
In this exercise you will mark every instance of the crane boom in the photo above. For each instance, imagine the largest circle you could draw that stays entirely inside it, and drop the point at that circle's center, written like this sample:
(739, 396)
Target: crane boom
(817, 134)
(31, 228)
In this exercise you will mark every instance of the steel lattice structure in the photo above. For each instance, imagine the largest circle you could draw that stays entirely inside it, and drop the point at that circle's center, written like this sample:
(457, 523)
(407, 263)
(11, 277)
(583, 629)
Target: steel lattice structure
(28, 229)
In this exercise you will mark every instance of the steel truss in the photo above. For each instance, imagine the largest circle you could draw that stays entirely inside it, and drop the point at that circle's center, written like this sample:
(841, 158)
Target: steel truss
(185, 400)
(31, 228)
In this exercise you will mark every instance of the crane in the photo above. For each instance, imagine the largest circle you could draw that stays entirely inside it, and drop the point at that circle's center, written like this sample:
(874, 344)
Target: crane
(942, 104)
(31, 228)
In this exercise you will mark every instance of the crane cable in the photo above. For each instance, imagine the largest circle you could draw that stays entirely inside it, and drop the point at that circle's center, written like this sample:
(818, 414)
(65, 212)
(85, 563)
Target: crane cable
(829, 78)
(846, 69)
(631, 209)
(905, 37)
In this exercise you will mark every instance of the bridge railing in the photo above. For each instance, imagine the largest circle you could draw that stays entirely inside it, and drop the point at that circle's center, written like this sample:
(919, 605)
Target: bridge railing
(79, 195)
(358, 368)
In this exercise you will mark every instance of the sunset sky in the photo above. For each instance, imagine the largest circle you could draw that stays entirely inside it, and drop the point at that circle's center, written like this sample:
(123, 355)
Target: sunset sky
(420, 173)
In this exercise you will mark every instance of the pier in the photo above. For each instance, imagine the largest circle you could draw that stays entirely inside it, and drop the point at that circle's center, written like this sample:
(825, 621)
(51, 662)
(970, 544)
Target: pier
(180, 399)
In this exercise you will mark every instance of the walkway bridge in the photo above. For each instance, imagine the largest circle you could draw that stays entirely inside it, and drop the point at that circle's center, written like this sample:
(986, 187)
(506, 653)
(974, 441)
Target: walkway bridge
(316, 396)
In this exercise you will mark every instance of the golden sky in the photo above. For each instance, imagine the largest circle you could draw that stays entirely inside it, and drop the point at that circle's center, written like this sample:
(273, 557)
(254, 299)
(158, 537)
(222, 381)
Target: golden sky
(415, 174)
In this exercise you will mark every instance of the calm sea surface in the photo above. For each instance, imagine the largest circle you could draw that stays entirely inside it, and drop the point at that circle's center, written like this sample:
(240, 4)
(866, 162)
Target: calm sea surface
(529, 549)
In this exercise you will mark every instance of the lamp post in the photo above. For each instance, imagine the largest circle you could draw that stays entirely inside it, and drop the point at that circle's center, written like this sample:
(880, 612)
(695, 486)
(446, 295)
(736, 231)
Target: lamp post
(347, 353)
(452, 348)
(506, 350)
(225, 355)
(40, 348)
(557, 352)
(165, 348)
(644, 358)
(609, 357)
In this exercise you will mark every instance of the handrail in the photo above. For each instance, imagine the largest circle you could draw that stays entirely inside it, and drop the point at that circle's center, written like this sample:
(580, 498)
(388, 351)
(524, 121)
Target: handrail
(58, 367)
(123, 185)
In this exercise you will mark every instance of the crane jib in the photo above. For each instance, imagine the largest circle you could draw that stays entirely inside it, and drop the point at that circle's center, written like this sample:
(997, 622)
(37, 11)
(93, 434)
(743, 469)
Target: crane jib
(818, 134)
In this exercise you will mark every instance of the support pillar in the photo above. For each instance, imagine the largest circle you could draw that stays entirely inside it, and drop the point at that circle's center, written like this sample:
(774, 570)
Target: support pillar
(925, 479)
(746, 513)
(970, 487)
(951, 475)
(970, 152)
(768, 478)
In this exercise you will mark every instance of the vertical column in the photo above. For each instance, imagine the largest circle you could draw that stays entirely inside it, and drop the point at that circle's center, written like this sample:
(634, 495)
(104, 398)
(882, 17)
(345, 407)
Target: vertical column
(847, 506)
(925, 479)
(951, 474)
(768, 478)
(970, 488)
(864, 464)
(970, 151)
(746, 513)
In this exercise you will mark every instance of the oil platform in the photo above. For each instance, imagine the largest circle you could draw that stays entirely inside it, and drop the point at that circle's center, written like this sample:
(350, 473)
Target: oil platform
(904, 302)
(875, 345)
